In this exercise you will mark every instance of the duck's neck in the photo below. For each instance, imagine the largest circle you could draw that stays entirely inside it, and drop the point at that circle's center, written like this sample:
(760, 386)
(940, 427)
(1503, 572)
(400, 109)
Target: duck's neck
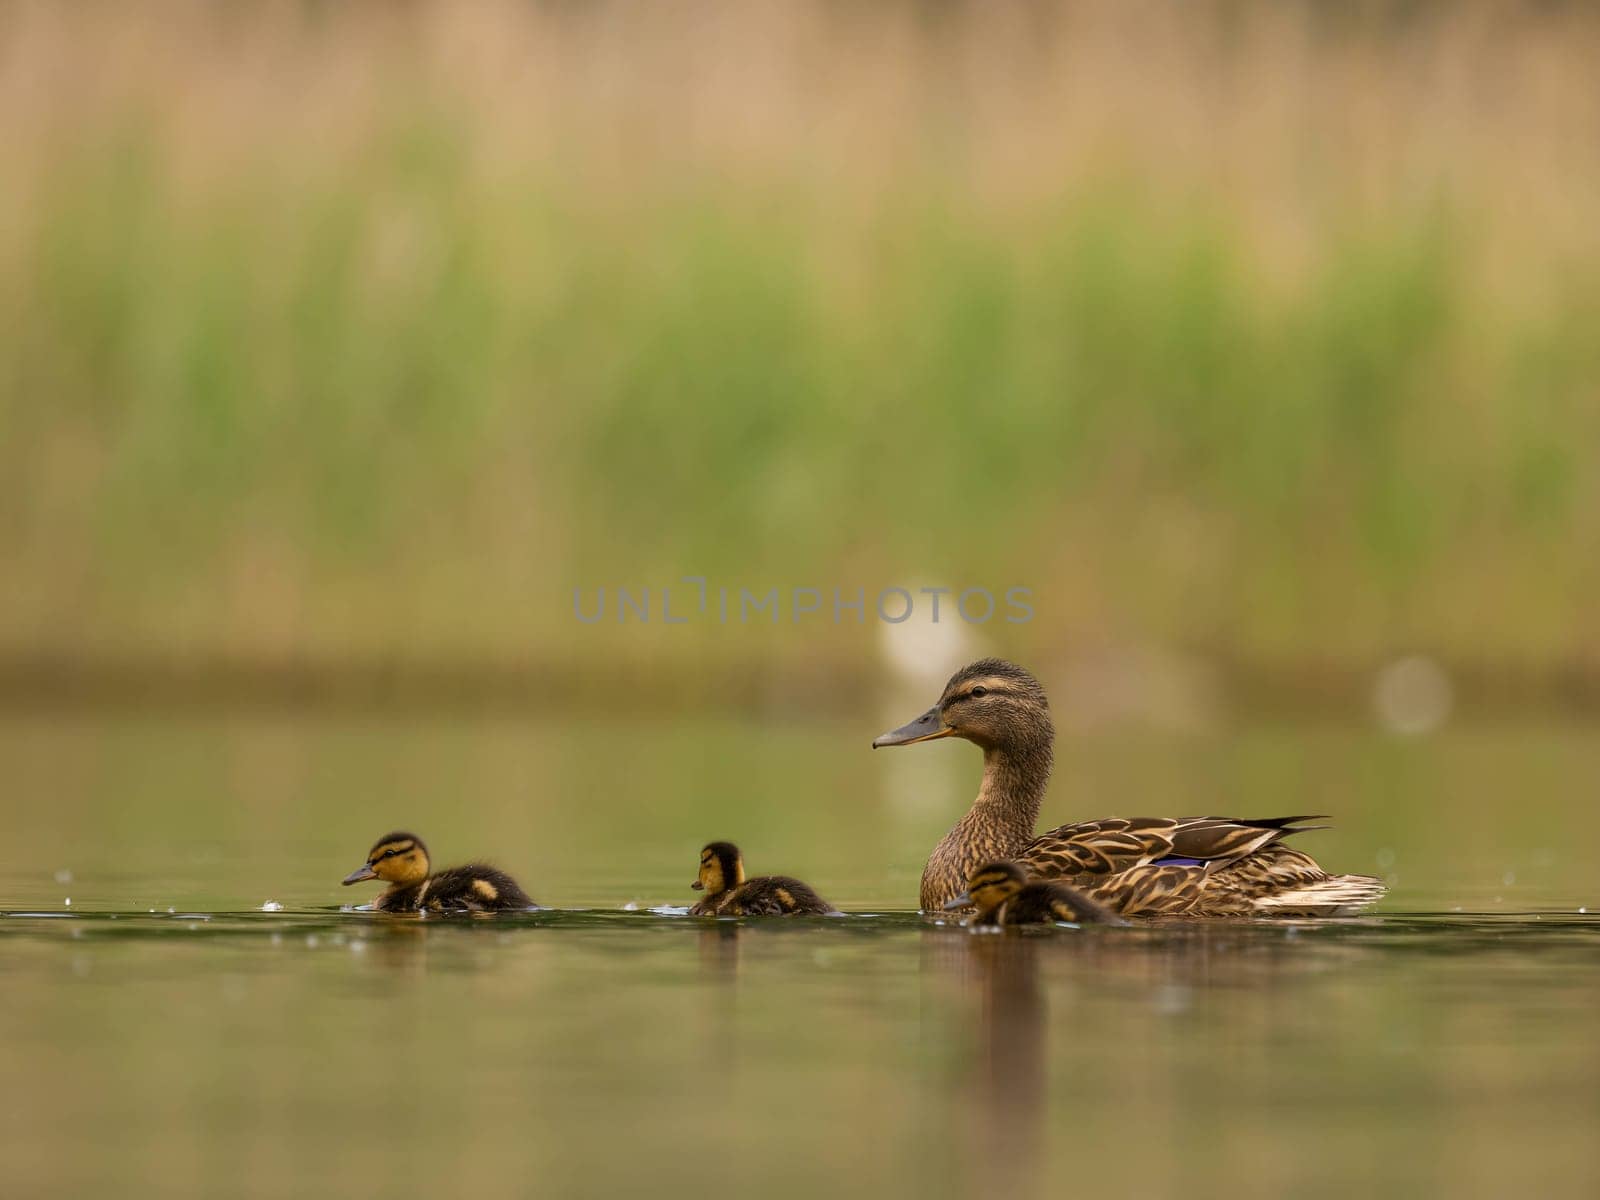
(1000, 822)
(1012, 792)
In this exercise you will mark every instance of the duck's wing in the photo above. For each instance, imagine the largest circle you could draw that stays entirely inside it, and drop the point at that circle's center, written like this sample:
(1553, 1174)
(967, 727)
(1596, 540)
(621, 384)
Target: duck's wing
(755, 898)
(475, 887)
(774, 896)
(1166, 890)
(1280, 880)
(1196, 866)
(507, 892)
(1116, 844)
(449, 891)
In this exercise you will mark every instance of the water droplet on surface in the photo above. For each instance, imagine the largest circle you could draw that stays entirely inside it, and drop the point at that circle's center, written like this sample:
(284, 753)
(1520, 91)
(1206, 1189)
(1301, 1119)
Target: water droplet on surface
(272, 906)
(631, 906)
(68, 902)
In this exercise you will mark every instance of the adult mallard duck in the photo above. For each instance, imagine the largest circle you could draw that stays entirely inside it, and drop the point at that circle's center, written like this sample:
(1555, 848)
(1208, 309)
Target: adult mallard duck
(729, 894)
(1000, 893)
(401, 860)
(1139, 866)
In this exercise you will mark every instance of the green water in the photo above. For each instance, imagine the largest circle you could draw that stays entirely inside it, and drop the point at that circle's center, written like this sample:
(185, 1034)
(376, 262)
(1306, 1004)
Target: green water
(209, 1047)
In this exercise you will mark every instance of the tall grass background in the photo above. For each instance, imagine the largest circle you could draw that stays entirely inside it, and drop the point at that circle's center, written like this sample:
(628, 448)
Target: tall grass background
(364, 333)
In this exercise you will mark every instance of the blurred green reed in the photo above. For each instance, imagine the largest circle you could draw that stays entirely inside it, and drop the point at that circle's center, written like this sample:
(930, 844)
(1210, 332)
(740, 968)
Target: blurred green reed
(360, 330)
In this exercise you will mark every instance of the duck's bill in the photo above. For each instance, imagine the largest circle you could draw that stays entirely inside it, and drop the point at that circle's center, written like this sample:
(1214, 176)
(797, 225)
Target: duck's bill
(961, 901)
(698, 886)
(924, 729)
(362, 872)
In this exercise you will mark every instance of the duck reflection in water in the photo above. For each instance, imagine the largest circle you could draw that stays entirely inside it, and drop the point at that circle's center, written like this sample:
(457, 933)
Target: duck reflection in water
(1007, 1072)
(719, 951)
(988, 1000)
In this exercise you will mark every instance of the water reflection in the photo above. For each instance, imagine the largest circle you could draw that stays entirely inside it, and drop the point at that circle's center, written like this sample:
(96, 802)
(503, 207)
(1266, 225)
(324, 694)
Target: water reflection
(1007, 1081)
(1019, 1001)
(399, 945)
(718, 944)
(921, 1056)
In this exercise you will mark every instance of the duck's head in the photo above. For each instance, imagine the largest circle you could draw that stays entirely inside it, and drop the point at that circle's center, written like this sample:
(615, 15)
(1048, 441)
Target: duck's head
(721, 868)
(399, 858)
(990, 886)
(990, 702)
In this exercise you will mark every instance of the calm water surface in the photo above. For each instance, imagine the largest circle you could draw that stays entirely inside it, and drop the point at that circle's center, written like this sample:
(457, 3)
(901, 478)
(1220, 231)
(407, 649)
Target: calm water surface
(208, 1047)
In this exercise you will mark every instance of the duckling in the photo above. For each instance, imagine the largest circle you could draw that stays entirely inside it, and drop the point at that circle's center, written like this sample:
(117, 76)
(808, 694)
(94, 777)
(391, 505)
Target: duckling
(1002, 895)
(1140, 866)
(730, 894)
(401, 860)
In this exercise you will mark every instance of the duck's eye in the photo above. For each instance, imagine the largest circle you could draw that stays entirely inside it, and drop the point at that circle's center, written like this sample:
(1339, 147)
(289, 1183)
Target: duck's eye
(978, 691)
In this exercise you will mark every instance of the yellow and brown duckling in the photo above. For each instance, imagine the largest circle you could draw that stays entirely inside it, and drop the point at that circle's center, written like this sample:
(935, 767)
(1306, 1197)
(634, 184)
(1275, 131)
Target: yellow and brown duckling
(1140, 866)
(729, 894)
(401, 860)
(1001, 894)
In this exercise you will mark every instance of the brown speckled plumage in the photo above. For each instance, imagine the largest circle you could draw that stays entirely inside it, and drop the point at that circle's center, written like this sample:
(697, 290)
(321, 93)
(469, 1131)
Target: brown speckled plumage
(1228, 866)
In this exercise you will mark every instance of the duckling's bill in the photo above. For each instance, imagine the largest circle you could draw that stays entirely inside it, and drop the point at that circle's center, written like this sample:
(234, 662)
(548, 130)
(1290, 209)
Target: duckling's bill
(363, 872)
(962, 901)
(925, 728)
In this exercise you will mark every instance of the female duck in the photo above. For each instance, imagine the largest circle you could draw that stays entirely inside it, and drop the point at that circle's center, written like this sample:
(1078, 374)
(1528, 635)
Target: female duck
(1002, 895)
(729, 894)
(401, 861)
(1139, 866)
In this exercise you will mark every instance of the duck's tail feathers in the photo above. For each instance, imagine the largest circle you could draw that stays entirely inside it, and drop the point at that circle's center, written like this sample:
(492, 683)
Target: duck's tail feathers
(1331, 896)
